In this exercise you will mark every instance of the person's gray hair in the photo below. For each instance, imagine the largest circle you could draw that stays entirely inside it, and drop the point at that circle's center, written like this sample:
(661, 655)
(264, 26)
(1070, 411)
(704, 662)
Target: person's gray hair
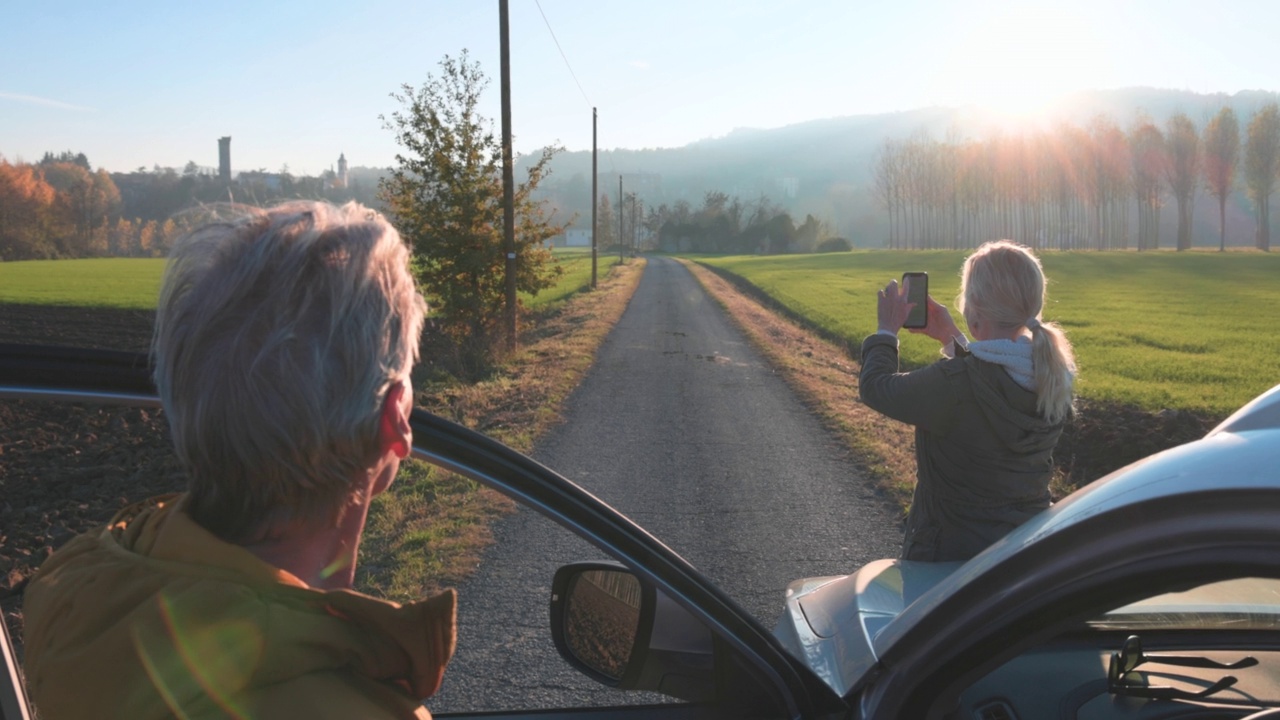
(278, 334)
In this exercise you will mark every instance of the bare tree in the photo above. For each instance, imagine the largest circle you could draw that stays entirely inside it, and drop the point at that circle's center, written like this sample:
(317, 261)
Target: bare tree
(1221, 154)
(888, 185)
(1147, 152)
(1183, 171)
(1109, 182)
(1262, 165)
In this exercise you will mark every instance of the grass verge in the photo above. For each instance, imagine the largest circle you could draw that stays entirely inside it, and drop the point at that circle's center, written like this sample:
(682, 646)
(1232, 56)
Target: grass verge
(429, 530)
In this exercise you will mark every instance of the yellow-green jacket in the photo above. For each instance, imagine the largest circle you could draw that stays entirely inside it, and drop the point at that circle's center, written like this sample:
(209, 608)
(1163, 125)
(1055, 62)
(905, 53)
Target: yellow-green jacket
(154, 617)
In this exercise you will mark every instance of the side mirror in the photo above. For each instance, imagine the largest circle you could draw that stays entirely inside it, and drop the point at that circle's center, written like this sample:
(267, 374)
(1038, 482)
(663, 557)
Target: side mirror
(622, 632)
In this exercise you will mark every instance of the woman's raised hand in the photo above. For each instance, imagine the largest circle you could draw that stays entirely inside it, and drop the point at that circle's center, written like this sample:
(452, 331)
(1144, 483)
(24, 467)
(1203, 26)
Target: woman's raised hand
(892, 307)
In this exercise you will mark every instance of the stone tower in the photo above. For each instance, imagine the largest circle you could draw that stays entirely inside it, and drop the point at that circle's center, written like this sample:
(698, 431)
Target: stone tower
(224, 159)
(342, 170)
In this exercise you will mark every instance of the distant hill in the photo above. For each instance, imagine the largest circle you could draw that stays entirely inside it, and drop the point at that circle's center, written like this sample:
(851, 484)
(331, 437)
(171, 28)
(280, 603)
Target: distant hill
(823, 166)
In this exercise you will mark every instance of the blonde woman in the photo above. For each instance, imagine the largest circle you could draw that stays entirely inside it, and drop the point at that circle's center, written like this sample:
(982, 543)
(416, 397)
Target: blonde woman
(988, 416)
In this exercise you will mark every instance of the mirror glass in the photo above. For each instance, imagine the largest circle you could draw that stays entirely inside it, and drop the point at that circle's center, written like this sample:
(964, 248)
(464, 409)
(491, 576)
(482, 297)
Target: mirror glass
(601, 617)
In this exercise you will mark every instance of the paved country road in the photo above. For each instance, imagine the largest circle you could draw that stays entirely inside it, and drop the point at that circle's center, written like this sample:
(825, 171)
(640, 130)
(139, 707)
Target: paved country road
(682, 426)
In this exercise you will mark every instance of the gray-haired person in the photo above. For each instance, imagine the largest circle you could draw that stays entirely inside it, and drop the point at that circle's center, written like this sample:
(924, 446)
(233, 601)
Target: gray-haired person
(987, 417)
(283, 345)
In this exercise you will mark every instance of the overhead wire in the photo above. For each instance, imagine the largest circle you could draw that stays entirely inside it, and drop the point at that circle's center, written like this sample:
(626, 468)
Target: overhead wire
(570, 65)
(562, 55)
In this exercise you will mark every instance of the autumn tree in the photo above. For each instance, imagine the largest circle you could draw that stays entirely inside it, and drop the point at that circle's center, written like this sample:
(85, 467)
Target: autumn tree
(447, 199)
(1182, 141)
(85, 205)
(26, 202)
(1261, 167)
(1221, 153)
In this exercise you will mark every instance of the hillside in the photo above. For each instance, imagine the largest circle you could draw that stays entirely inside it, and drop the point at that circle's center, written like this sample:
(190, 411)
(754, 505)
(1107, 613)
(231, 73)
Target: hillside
(823, 166)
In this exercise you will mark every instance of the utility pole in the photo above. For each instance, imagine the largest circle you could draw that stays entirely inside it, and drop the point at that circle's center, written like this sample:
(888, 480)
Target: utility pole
(621, 216)
(594, 176)
(508, 178)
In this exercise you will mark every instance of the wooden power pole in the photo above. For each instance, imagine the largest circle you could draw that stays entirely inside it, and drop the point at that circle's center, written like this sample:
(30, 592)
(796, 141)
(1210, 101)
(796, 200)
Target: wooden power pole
(508, 178)
(594, 176)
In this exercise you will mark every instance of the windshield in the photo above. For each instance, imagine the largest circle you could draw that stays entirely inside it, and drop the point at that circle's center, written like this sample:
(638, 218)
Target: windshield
(1236, 604)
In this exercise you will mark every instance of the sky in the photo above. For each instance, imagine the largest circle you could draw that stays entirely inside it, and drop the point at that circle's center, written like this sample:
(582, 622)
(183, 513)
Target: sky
(137, 83)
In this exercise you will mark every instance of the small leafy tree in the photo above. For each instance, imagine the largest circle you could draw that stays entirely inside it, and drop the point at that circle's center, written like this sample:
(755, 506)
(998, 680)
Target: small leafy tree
(446, 198)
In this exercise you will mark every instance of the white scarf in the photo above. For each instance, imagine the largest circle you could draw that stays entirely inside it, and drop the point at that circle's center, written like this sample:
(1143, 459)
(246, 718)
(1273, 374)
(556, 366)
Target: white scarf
(1013, 355)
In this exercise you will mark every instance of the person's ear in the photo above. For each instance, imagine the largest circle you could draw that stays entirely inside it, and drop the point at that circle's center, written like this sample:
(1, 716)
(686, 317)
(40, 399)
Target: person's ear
(394, 433)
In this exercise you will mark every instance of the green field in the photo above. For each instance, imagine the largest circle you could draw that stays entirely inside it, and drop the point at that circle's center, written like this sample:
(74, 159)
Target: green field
(1195, 331)
(135, 283)
(97, 282)
(577, 276)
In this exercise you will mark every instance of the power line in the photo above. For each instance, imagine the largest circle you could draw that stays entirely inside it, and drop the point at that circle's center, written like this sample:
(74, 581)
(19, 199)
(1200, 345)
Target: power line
(574, 75)
(562, 55)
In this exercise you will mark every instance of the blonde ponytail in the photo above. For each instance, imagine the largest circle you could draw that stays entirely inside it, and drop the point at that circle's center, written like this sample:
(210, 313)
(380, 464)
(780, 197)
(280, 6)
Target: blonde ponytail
(1055, 368)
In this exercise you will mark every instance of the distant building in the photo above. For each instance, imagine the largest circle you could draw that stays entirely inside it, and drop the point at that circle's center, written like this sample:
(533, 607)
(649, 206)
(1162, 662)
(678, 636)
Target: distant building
(342, 179)
(577, 237)
(789, 187)
(224, 159)
(272, 181)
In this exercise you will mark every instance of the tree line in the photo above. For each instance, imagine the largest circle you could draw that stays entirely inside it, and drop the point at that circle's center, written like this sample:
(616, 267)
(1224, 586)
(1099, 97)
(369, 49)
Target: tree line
(1076, 187)
(60, 207)
(723, 224)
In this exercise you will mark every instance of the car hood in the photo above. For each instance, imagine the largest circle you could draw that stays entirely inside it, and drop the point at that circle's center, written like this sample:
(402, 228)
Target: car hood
(831, 623)
(841, 627)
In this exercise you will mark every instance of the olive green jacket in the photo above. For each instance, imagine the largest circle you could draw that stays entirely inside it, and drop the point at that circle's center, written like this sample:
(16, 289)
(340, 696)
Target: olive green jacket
(984, 456)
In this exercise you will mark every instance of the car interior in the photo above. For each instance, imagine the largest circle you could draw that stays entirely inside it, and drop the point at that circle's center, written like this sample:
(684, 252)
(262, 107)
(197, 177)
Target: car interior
(1209, 652)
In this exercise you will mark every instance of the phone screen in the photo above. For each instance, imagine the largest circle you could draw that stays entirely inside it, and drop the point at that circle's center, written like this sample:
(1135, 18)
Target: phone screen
(917, 284)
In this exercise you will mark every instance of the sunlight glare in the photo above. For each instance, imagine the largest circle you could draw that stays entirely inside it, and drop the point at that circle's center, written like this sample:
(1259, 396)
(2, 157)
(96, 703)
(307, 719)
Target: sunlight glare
(1015, 62)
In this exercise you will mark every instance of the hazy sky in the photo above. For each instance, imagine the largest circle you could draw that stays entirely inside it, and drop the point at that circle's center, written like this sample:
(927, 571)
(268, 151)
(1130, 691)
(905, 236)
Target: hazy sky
(134, 83)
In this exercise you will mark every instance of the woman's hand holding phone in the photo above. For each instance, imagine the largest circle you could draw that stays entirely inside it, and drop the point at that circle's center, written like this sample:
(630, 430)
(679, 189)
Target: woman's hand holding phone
(940, 326)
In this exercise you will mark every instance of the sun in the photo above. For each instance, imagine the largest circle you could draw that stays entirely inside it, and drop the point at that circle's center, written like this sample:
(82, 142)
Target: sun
(1015, 63)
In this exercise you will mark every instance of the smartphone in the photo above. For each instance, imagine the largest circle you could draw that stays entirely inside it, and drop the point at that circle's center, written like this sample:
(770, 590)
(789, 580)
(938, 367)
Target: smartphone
(917, 284)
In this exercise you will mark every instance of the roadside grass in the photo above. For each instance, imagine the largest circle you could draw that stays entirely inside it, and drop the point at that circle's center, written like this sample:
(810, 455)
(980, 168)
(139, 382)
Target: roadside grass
(429, 530)
(132, 283)
(1184, 331)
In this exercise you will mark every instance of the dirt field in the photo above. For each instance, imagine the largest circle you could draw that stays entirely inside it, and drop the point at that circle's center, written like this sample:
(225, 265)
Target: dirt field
(65, 468)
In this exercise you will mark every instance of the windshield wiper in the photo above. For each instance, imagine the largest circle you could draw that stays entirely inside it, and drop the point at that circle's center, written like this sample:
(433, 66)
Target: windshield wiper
(1131, 657)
